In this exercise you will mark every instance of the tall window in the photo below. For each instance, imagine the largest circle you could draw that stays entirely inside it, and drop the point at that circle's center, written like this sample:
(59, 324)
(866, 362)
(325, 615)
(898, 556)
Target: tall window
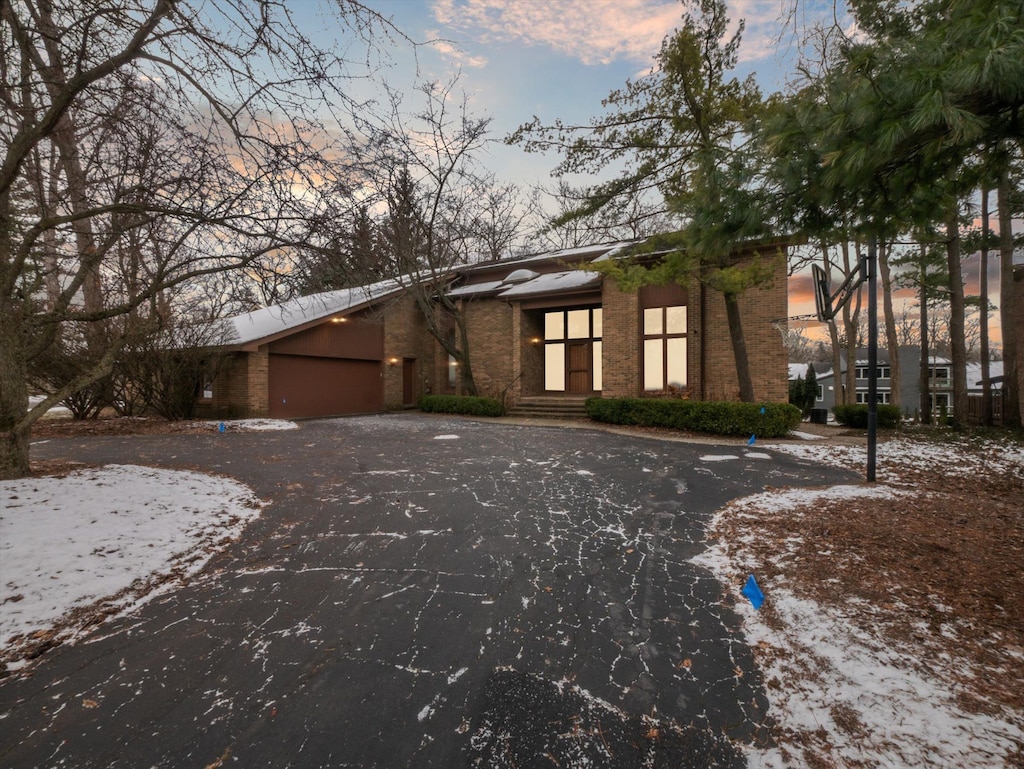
(567, 330)
(664, 347)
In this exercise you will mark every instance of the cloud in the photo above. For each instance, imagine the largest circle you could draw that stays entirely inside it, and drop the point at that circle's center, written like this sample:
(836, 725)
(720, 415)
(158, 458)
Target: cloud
(593, 31)
(458, 55)
(596, 31)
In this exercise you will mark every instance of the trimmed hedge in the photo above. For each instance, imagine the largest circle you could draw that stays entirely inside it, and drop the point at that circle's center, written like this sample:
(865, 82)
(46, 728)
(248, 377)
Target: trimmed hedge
(856, 415)
(461, 404)
(717, 417)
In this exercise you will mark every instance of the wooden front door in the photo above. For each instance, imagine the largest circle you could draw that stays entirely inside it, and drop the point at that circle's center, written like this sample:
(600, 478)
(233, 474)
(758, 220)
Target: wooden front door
(409, 382)
(578, 378)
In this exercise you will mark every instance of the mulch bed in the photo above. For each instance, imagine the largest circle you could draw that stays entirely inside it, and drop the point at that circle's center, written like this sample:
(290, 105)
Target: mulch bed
(937, 570)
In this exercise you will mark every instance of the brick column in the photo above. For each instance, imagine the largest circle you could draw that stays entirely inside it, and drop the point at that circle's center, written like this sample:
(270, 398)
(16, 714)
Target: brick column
(620, 349)
(258, 383)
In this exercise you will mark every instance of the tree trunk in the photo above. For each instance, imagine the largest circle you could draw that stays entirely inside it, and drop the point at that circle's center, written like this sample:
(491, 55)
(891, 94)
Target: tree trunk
(891, 338)
(465, 368)
(14, 433)
(1007, 310)
(958, 344)
(833, 333)
(925, 401)
(986, 385)
(739, 347)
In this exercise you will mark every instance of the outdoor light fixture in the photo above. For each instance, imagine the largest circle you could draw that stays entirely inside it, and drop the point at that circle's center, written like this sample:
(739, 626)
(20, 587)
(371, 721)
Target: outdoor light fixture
(535, 340)
(339, 320)
(393, 361)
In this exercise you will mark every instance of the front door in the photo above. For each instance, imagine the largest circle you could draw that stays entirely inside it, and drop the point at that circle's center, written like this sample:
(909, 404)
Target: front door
(577, 368)
(409, 382)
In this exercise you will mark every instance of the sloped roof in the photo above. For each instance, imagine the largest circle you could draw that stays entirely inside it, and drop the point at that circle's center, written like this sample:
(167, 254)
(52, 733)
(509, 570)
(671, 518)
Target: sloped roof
(270, 321)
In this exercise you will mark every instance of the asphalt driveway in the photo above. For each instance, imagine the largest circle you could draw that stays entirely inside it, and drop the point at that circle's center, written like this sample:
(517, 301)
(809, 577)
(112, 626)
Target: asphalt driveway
(424, 592)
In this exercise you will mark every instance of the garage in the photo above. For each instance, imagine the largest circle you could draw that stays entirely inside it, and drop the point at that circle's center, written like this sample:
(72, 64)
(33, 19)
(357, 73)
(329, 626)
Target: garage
(309, 386)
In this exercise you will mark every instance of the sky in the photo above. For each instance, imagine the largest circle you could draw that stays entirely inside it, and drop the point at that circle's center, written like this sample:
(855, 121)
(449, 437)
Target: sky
(557, 59)
(560, 58)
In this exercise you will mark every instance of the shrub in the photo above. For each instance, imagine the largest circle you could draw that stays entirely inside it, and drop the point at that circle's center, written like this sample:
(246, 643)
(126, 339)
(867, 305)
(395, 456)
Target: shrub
(461, 404)
(717, 417)
(856, 415)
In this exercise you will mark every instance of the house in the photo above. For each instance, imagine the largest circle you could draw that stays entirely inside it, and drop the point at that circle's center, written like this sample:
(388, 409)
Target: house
(537, 325)
(940, 388)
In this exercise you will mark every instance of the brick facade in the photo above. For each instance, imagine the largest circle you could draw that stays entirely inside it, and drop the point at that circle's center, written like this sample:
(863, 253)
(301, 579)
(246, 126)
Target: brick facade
(240, 389)
(406, 339)
(489, 325)
(759, 307)
(620, 348)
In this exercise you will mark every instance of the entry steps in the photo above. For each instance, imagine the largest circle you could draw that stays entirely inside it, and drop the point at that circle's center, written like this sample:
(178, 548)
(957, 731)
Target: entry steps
(550, 407)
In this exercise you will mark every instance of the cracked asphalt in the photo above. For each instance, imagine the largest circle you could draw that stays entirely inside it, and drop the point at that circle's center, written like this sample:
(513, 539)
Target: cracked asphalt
(422, 592)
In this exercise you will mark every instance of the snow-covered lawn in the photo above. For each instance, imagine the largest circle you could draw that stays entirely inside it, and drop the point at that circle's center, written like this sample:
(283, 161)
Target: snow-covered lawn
(106, 535)
(841, 691)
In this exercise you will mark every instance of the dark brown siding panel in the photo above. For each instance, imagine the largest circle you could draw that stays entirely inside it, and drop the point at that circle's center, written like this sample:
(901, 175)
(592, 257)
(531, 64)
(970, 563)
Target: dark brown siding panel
(663, 296)
(354, 339)
(303, 386)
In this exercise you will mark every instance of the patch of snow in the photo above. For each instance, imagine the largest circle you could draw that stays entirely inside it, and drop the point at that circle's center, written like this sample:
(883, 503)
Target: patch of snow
(806, 436)
(756, 455)
(446, 437)
(718, 457)
(907, 718)
(68, 542)
(254, 425)
(820, 670)
(960, 457)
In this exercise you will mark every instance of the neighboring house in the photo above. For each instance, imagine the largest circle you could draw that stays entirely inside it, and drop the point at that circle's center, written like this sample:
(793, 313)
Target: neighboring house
(941, 384)
(537, 325)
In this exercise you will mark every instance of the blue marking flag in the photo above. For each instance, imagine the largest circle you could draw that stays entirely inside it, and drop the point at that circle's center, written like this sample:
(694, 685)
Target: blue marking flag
(762, 409)
(753, 592)
(752, 439)
(220, 427)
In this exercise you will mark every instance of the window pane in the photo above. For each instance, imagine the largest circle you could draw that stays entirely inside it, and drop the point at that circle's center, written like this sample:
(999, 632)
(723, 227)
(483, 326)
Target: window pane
(597, 365)
(554, 325)
(652, 321)
(654, 371)
(554, 367)
(675, 320)
(598, 320)
(579, 324)
(676, 362)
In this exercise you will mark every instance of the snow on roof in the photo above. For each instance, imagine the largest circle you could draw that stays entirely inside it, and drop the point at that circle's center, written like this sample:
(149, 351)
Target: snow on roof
(798, 370)
(251, 326)
(553, 282)
(474, 289)
(598, 252)
(974, 380)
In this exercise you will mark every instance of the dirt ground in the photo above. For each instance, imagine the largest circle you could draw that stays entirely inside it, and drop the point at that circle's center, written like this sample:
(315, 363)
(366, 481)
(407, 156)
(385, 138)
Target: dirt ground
(937, 569)
(946, 556)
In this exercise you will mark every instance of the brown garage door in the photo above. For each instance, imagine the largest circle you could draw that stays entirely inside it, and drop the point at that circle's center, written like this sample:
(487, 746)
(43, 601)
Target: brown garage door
(303, 386)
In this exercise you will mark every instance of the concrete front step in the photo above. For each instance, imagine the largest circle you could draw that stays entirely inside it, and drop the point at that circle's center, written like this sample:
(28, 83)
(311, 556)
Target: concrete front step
(550, 407)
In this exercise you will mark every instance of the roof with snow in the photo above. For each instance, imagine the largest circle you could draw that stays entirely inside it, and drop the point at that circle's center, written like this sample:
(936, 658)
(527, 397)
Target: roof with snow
(268, 321)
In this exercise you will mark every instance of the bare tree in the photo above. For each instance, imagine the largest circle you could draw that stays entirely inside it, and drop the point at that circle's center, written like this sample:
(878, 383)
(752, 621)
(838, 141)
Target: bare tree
(212, 119)
(443, 210)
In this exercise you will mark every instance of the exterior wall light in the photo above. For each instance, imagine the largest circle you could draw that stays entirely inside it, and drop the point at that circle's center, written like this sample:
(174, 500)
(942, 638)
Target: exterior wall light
(393, 361)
